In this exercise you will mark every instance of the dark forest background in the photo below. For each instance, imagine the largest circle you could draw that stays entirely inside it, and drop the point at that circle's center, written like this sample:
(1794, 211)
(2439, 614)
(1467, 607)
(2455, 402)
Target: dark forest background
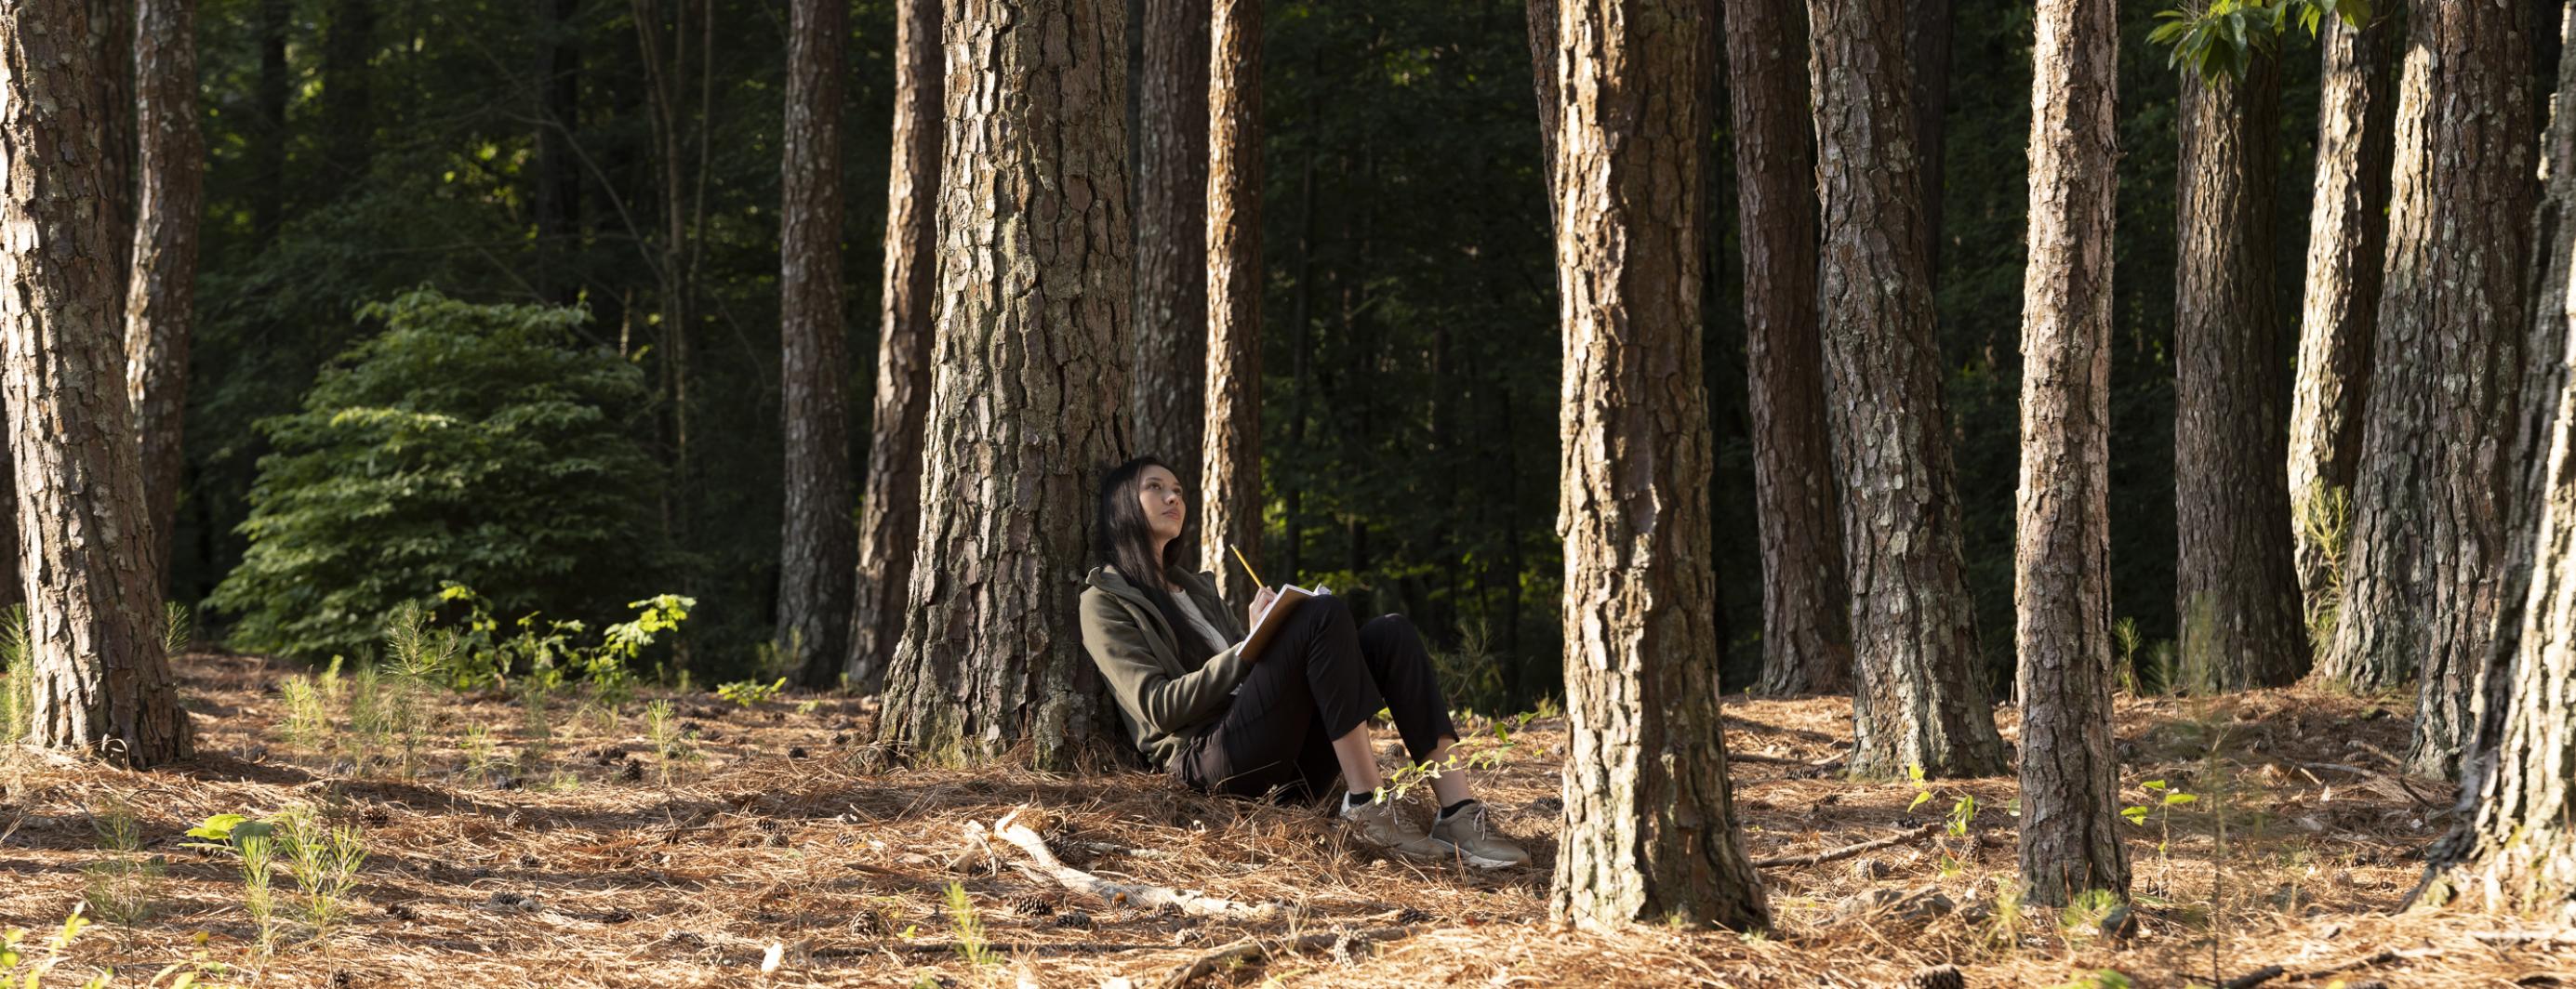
(359, 150)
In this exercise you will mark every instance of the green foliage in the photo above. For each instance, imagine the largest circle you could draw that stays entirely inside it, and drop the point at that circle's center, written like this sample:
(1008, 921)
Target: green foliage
(2221, 38)
(322, 858)
(751, 692)
(477, 442)
(2325, 520)
(1486, 751)
(122, 885)
(969, 929)
(17, 677)
(546, 654)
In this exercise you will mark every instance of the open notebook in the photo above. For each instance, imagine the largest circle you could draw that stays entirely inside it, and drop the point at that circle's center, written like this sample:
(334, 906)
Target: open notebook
(1266, 625)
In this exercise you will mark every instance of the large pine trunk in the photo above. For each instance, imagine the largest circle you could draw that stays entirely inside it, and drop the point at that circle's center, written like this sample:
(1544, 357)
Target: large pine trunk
(2515, 850)
(1919, 701)
(160, 300)
(2235, 591)
(817, 546)
(2421, 594)
(1028, 383)
(1806, 638)
(1173, 223)
(2070, 777)
(93, 618)
(2347, 243)
(1649, 826)
(1231, 480)
(890, 513)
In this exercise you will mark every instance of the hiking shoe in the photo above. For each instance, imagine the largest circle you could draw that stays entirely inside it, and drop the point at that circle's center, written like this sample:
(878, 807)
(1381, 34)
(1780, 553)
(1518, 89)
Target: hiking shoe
(1380, 823)
(1473, 840)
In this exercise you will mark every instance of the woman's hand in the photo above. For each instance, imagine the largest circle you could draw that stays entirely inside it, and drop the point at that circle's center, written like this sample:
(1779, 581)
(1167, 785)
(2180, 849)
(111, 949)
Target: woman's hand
(1260, 602)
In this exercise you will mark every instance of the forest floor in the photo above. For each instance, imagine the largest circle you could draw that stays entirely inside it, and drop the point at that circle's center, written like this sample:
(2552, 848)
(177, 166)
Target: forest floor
(554, 850)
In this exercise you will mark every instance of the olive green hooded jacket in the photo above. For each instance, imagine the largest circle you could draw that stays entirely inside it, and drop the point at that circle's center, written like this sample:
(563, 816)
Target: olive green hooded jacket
(1166, 697)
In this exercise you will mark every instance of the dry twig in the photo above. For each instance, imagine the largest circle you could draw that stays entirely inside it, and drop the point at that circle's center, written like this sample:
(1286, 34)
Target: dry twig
(1848, 851)
(1046, 866)
(1251, 950)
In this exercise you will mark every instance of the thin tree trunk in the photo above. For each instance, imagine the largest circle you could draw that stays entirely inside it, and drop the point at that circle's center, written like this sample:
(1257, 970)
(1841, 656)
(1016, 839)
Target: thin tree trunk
(1232, 482)
(890, 519)
(1914, 639)
(160, 304)
(348, 92)
(2347, 243)
(818, 559)
(268, 133)
(1028, 386)
(2070, 777)
(1649, 834)
(557, 193)
(2513, 849)
(1175, 273)
(1806, 620)
(1927, 42)
(2236, 592)
(2429, 511)
(93, 621)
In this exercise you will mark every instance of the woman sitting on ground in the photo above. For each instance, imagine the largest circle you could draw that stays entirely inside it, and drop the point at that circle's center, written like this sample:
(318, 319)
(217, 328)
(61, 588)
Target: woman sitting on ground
(1278, 722)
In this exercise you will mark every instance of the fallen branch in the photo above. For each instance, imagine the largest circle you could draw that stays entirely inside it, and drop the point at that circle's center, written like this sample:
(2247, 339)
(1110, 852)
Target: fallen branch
(1046, 866)
(2380, 957)
(1105, 848)
(2254, 978)
(1251, 950)
(1848, 851)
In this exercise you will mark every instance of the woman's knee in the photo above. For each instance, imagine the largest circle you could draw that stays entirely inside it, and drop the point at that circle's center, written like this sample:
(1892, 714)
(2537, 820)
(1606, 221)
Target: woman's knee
(1394, 634)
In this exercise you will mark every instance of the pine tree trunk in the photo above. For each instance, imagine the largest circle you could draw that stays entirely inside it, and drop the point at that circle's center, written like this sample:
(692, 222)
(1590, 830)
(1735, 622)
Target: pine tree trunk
(2070, 777)
(160, 302)
(890, 516)
(93, 621)
(2236, 593)
(818, 547)
(1174, 273)
(1542, 40)
(556, 198)
(112, 42)
(1028, 386)
(1232, 519)
(1919, 700)
(1649, 833)
(2347, 242)
(2514, 850)
(2421, 586)
(1927, 43)
(1806, 637)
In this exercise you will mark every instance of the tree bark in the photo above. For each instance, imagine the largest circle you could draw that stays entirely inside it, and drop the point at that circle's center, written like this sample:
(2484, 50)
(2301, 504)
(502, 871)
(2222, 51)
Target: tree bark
(1231, 484)
(1649, 833)
(160, 302)
(93, 621)
(2514, 850)
(1028, 386)
(557, 194)
(2347, 241)
(1542, 41)
(890, 518)
(1806, 633)
(2236, 593)
(2070, 777)
(1927, 42)
(348, 92)
(2420, 591)
(112, 28)
(1919, 701)
(818, 565)
(1174, 206)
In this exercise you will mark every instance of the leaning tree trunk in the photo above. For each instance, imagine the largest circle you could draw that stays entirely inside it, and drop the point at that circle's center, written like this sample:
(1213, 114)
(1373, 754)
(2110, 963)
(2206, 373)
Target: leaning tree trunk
(93, 621)
(2514, 849)
(890, 515)
(1174, 205)
(817, 546)
(1232, 479)
(1806, 637)
(1919, 702)
(1028, 386)
(2428, 535)
(2347, 241)
(160, 301)
(2070, 778)
(1649, 834)
(2236, 593)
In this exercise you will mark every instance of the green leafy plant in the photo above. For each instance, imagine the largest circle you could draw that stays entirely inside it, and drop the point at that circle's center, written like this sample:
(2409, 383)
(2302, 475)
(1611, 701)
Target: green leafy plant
(121, 886)
(671, 745)
(549, 653)
(482, 443)
(2219, 39)
(17, 676)
(1488, 751)
(326, 861)
(969, 929)
(2325, 522)
(748, 693)
(308, 718)
(18, 968)
(2160, 802)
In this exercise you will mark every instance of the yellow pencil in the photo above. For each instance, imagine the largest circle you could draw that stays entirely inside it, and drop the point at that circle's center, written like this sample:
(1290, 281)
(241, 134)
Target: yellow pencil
(1247, 566)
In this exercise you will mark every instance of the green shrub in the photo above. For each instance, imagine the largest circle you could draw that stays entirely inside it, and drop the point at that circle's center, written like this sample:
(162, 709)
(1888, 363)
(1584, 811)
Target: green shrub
(471, 443)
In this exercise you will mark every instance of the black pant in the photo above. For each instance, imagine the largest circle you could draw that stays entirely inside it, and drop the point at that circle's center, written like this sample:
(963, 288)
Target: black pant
(1318, 679)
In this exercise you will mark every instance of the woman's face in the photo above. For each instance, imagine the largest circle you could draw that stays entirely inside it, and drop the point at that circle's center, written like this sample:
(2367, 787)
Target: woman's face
(1160, 494)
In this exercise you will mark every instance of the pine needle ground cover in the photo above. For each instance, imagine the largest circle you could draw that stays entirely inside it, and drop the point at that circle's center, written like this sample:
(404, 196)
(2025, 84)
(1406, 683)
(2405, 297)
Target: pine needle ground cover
(681, 839)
